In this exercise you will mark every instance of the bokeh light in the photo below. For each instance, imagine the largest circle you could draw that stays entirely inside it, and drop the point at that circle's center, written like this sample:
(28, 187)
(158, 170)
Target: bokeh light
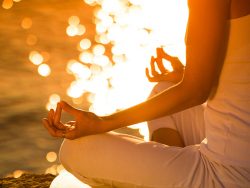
(53, 100)
(51, 156)
(44, 70)
(26, 23)
(7, 4)
(75, 28)
(98, 49)
(85, 44)
(35, 57)
(73, 20)
(18, 173)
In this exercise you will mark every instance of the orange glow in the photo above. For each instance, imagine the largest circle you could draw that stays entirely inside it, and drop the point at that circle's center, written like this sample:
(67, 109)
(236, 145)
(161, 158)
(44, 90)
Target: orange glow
(134, 40)
(46, 56)
(51, 156)
(26, 23)
(90, 2)
(7, 4)
(102, 38)
(133, 32)
(75, 90)
(31, 40)
(78, 69)
(17, 173)
(73, 20)
(81, 29)
(53, 100)
(44, 70)
(85, 44)
(75, 28)
(72, 30)
(98, 49)
(86, 57)
(35, 57)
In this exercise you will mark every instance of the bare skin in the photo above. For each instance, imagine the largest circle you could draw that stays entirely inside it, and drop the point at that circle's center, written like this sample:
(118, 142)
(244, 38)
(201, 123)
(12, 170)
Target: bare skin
(203, 47)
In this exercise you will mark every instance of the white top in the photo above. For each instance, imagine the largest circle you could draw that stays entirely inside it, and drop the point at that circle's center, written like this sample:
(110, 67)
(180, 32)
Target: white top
(227, 115)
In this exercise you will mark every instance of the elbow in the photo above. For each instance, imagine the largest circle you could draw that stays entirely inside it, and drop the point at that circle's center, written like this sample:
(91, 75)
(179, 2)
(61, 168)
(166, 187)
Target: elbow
(201, 97)
(197, 94)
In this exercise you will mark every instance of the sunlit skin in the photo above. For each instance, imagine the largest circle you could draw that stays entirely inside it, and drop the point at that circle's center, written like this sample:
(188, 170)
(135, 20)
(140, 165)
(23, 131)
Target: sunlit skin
(205, 43)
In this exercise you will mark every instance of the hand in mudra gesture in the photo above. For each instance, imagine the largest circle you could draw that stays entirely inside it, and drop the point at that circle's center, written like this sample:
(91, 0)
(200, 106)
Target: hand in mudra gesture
(86, 123)
(165, 75)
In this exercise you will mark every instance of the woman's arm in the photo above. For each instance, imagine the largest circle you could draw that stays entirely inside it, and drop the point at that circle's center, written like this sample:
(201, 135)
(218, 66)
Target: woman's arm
(207, 31)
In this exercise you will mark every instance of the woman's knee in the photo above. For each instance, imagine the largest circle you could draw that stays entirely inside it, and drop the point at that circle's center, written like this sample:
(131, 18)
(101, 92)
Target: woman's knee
(65, 154)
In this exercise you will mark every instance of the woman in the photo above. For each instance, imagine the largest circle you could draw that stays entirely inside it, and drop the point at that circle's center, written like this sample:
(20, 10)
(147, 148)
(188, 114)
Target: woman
(217, 71)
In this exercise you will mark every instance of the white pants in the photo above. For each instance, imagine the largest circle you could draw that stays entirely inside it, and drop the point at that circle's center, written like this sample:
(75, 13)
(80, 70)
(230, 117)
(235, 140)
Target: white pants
(189, 123)
(119, 160)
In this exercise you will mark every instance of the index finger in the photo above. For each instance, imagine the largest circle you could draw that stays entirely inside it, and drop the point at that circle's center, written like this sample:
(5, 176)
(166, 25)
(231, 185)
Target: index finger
(160, 55)
(68, 108)
(58, 113)
(152, 66)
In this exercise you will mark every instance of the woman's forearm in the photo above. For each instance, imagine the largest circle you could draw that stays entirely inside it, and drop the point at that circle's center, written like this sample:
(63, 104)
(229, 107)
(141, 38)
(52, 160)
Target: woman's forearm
(170, 101)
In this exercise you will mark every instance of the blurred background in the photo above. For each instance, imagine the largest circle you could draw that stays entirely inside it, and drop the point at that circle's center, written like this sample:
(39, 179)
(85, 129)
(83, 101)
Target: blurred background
(90, 53)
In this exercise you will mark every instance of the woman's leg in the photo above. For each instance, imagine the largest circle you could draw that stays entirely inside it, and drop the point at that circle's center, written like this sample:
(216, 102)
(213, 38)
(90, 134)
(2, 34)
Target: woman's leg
(117, 160)
(180, 129)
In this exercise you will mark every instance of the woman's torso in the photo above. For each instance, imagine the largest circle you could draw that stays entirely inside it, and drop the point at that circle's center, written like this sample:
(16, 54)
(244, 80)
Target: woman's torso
(227, 114)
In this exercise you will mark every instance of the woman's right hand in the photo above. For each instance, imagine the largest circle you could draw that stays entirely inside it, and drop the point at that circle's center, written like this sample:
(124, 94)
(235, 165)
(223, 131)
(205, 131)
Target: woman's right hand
(85, 123)
(165, 75)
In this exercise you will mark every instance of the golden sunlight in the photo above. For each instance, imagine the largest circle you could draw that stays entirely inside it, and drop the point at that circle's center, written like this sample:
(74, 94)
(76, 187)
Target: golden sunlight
(53, 100)
(75, 28)
(44, 70)
(35, 57)
(31, 40)
(51, 156)
(116, 81)
(18, 173)
(7, 4)
(26, 23)
(85, 44)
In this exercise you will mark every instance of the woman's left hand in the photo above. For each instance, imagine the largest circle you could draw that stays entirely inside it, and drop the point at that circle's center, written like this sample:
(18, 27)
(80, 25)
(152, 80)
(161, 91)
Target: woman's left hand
(86, 123)
(165, 75)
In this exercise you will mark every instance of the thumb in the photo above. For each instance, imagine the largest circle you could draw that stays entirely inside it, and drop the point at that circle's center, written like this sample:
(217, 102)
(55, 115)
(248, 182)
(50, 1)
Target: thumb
(68, 108)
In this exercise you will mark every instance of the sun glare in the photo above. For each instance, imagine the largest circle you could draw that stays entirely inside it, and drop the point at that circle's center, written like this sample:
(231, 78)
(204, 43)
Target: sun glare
(75, 28)
(53, 100)
(35, 57)
(131, 30)
(44, 70)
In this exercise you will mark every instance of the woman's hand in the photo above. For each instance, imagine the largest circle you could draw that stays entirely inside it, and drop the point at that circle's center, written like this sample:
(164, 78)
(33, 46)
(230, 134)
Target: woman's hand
(86, 123)
(165, 75)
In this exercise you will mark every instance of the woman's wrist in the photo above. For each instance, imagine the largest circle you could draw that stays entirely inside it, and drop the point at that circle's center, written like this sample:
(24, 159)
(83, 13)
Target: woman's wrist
(108, 123)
